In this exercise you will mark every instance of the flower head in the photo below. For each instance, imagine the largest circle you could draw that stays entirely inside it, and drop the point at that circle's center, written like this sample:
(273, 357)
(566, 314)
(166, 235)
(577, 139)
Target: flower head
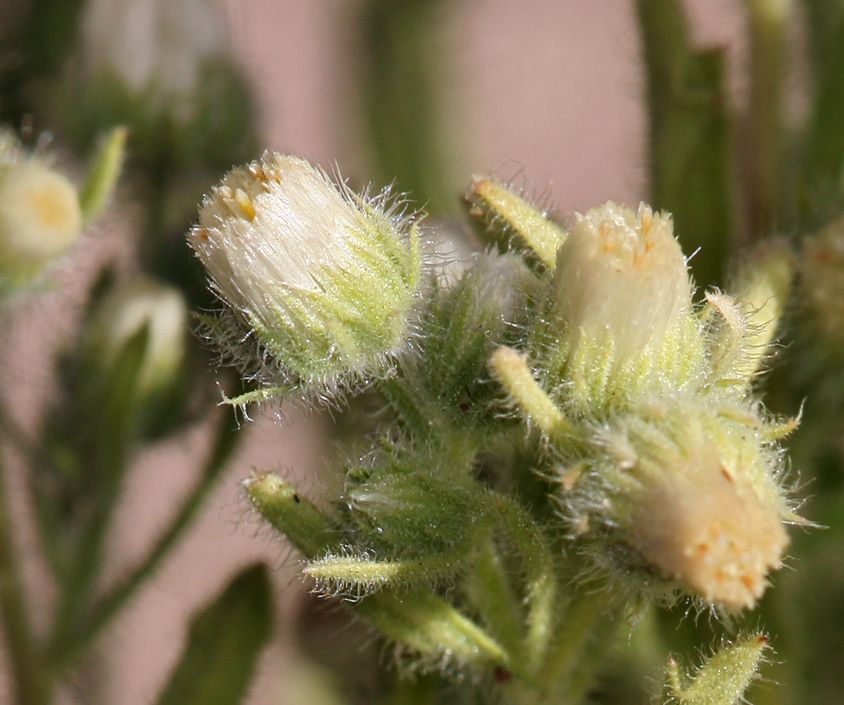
(123, 312)
(322, 278)
(621, 312)
(40, 219)
(689, 495)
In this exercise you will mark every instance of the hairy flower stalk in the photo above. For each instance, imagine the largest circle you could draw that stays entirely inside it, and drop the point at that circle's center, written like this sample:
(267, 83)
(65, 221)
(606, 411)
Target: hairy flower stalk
(320, 281)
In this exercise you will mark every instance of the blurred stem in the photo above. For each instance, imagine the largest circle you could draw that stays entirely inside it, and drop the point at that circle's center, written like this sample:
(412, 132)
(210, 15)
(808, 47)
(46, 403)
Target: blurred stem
(32, 684)
(113, 415)
(63, 651)
(824, 154)
(402, 95)
(692, 160)
(46, 40)
(768, 24)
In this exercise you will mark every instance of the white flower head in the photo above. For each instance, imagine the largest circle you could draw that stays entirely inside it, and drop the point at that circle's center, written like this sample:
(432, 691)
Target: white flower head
(323, 278)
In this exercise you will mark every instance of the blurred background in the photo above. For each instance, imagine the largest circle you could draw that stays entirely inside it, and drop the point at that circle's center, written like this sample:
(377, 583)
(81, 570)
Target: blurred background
(550, 94)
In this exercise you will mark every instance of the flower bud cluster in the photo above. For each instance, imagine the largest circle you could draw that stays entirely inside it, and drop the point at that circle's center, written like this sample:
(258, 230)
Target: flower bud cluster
(664, 467)
(668, 468)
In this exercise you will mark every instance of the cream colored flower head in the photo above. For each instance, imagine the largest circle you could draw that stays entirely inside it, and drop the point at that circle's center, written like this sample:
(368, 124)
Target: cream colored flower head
(622, 307)
(322, 278)
(690, 495)
(40, 219)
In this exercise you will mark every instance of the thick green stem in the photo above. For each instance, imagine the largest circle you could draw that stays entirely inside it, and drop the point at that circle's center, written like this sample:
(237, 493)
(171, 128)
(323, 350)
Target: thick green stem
(402, 90)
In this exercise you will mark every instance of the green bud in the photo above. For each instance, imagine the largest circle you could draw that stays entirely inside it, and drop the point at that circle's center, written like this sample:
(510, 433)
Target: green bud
(488, 305)
(686, 496)
(125, 310)
(40, 220)
(723, 677)
(504, 211)
(320, 282)
(620, 318)
(412, 506)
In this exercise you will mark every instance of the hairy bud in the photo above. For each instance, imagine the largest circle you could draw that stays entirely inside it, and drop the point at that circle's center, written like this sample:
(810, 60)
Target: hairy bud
(40, 219)
(323, 279)
(621, 312)
(688, 494)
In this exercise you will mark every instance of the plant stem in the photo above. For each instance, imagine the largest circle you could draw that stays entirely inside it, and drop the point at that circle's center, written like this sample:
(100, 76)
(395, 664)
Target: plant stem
(32, 684)
(572, 634)
(64, 650)
(541, 588)
(768, 23)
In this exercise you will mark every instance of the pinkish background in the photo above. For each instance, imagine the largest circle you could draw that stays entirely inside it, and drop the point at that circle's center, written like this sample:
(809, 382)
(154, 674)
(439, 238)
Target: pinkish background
(553, 87)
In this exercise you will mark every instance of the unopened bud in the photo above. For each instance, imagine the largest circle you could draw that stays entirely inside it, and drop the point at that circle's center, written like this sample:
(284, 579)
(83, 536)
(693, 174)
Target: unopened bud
(40, 220)
(689, 495)
(123, 313)
(622, 307)
(322, 278)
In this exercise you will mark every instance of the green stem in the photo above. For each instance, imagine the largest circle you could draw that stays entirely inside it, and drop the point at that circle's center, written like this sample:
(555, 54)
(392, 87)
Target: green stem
(402, 89)
(571, 637)
(491, 594)
(63, 650)
(32, 684)
(768, 23)
(541, 579)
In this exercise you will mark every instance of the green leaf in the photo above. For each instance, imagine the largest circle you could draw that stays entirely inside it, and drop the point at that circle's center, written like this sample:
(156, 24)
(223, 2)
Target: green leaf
(224, 643)
(103, 174)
